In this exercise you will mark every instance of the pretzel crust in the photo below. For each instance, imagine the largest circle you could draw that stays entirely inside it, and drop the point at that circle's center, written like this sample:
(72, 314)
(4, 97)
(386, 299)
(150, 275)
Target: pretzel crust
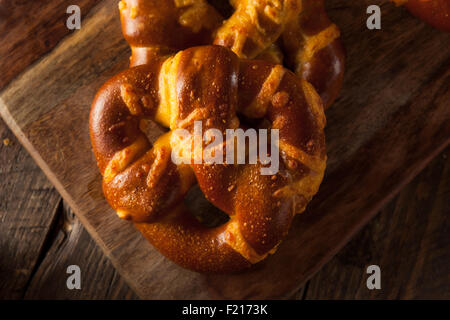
(155, 28)
(309, 39)
(313, 48)
(142, 184)
(255, 25)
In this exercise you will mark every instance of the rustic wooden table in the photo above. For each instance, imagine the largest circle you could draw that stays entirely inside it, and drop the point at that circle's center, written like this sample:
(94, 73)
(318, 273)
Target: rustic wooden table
(40, 236)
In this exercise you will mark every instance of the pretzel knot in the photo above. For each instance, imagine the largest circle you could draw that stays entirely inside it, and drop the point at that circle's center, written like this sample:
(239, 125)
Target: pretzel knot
(178, 82)
(212, 85)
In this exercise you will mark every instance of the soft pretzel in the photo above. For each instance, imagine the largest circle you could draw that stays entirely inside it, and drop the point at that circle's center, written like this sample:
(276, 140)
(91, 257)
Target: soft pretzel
(433, 12)
(256, 29)
(311, 42)
(212, 85)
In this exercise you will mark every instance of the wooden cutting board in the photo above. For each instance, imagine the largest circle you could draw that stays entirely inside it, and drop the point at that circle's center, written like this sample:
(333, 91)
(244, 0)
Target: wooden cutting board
(392, 118)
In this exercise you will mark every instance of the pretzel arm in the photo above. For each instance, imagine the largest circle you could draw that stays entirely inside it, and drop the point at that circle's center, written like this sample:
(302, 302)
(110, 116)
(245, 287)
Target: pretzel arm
(313, 49)
(269, 204)
(181, 238)
(156, 28)
(139, 180)
(261, 211)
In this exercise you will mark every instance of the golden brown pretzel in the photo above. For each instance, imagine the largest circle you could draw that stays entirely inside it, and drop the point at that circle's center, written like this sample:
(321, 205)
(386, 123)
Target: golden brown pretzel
(256, 29)
(309, 39)
(208, 84)
(433, 12)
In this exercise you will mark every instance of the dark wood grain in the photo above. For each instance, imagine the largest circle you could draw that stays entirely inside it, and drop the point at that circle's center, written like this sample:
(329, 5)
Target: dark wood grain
(72, 245)
(29, 29)
(408, 240)
(28, 203)
(392, 118)
(39, 237)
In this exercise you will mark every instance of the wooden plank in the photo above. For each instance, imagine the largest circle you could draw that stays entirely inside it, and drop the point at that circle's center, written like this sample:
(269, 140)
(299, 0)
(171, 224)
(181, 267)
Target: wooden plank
(391, 120)
(71, 55)
(408, 240)
(30, 210)
(30, 29)
(72, 245)
(300, 294)
(28, 202)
